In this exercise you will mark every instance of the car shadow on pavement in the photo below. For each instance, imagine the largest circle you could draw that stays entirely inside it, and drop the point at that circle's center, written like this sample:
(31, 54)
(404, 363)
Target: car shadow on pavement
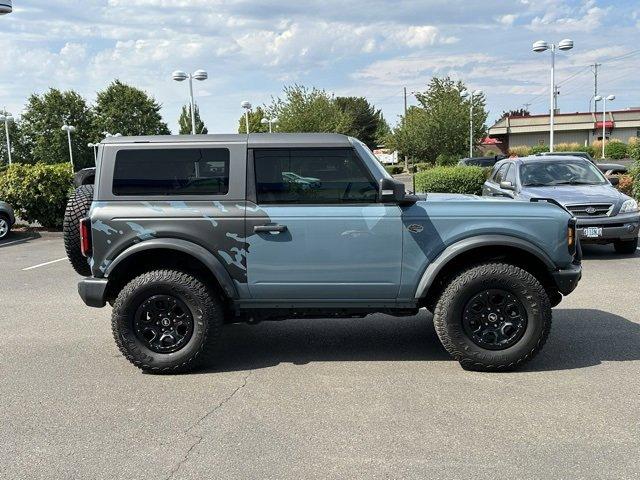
(301, 341)
(579, 338)
(18, 238)
(605, 252)
(587, 337)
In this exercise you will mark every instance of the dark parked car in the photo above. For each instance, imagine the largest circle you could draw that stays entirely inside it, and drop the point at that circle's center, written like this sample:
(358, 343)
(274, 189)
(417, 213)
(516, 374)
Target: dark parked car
(607, 168)
(604, 214)
(481, 161)
(7, 219)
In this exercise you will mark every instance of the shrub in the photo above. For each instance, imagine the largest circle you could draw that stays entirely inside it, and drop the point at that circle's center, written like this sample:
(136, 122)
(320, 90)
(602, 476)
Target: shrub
(597, 146)
(520, 151)
(625, 184)
(38, 193)
(422, 166)
(457, 179)
(633, 149)
(394, 169)
(444, 160)
(567, 147)
(539, 149)
(615, 149)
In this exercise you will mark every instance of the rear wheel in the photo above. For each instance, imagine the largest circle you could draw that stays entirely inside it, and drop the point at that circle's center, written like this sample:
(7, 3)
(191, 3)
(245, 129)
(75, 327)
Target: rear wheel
(77, 208)
(494, 316)
(5, 226)
(626, 246)
(165, 321)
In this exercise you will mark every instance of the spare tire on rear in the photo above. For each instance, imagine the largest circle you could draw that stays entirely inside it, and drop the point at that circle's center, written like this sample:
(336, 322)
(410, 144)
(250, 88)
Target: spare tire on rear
(77, 208)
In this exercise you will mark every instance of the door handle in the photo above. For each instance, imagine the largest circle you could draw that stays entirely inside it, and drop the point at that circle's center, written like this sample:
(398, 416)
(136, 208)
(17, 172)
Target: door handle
(270, 228)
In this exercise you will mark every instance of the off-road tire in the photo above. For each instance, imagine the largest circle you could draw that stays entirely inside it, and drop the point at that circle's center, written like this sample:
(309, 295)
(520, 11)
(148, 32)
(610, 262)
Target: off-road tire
(448, 316)
(77, 208)
(204, 306)
(627, 247)
(8, 223)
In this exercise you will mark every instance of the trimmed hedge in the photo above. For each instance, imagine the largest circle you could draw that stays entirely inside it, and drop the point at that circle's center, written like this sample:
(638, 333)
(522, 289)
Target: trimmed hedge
(459, 179)
(38, 193)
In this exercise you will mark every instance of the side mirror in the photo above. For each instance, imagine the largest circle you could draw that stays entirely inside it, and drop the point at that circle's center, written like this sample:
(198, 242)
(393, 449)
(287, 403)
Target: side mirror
(507, 186)
(614, 180)
(392, 191)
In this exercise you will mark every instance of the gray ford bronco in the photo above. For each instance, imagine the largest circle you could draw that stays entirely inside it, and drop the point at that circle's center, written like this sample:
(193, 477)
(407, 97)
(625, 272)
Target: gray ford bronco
(182, 234)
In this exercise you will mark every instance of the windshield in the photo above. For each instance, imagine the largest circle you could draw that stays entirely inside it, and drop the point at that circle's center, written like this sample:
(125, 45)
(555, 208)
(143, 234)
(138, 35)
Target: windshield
(578, 172)
(365, 154)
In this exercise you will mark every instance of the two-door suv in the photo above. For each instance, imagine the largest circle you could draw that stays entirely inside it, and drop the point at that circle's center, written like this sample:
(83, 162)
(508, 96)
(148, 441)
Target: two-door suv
(182, 234)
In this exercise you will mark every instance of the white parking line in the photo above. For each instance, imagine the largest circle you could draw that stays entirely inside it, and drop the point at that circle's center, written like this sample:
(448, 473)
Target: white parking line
(43, 264)
(15, 241)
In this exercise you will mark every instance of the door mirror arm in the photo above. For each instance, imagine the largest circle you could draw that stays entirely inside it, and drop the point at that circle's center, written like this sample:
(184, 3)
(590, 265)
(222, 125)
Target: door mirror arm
(507, 186)
(393, 191)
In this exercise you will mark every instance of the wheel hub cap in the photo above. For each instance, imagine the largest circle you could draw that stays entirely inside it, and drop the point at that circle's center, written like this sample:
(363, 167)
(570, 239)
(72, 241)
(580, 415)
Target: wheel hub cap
(163, 323)
(494, 319)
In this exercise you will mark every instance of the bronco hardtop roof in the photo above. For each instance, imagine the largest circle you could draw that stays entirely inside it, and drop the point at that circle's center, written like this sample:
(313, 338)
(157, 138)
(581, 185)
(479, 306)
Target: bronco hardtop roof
(253, 140)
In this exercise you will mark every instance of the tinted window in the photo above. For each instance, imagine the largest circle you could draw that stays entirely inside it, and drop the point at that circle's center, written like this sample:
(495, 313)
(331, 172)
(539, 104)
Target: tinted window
(499, 176)
(175, 171)
(322, 175)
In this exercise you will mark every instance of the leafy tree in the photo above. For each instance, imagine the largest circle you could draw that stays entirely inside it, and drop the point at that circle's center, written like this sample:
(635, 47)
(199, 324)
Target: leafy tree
(359, 119)
(383, 130)
(305, 110)
(440, 124)
(255, 122)
(124, 109)
(39, 133)
(185, 121)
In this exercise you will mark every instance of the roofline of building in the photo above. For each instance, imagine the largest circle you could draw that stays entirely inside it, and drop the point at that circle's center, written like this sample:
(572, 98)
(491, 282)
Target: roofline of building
(574, 113)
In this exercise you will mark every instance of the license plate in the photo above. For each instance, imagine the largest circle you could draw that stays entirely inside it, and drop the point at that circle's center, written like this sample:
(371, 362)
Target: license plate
(592, 232)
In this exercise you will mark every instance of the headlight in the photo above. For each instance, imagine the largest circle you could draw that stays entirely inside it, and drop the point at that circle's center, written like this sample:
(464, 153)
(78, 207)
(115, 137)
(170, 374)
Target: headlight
(629, 206)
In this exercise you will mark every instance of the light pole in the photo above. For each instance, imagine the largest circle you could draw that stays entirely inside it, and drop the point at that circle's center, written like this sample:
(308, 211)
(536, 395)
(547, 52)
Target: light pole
(180, 76)
(542, 46)
(69, 129)
(470, 95)
(269, 121)
(247, 107)
(604, 99)
(7, 119)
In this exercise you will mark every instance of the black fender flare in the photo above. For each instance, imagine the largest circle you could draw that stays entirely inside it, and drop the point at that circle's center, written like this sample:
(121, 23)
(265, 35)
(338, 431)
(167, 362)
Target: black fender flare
(464, 245)
(198, 252)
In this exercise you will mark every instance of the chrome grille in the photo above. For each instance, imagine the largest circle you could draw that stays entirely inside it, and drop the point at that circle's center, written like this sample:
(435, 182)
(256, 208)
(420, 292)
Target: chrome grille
(591, 209)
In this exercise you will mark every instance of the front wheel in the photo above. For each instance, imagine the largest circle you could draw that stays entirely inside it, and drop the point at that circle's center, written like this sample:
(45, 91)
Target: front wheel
(165, 321)
(5, 226)
(493, 316)
(627, 247)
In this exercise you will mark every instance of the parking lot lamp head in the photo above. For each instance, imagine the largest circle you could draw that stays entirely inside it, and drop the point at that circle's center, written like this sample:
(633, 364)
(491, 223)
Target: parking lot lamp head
(5, 7)
(200, 75)
(179, 76)
(566, 44)
(540, 46)
(247, 106)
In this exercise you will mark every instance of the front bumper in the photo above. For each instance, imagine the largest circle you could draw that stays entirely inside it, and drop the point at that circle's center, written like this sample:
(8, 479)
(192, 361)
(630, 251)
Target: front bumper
(619, 227)
(567, 279)
(92, 291)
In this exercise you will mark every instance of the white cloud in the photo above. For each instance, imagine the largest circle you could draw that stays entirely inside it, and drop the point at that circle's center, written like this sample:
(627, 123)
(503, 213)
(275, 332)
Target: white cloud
(507, 19)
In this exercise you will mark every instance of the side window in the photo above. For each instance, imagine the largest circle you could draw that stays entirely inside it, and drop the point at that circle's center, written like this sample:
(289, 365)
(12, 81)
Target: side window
(171, 171)
(511, 174)
(499, 175)
(312, 175)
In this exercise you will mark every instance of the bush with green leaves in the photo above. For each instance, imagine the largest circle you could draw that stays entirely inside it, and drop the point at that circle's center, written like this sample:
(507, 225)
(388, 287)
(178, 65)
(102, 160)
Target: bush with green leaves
(633, 149)
(615, 149)
(458, 179)
(38, 193)
(520, 151)
(394, 169)
(446, 160)
(422, 166)
(541, 148)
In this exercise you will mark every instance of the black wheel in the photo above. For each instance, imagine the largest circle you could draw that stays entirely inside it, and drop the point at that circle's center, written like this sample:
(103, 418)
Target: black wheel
(164, 321)
(493, 317)
(77, 208)
(628, 247)
(5, 226)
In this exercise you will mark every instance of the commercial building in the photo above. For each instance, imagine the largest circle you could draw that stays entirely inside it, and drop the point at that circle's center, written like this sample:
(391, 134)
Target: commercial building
(582, 128)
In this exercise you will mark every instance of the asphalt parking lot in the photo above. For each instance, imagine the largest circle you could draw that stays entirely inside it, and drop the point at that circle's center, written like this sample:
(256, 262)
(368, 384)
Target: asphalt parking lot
(371, 398)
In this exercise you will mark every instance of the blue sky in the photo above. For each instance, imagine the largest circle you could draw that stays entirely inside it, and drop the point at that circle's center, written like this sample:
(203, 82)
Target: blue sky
(372, 48)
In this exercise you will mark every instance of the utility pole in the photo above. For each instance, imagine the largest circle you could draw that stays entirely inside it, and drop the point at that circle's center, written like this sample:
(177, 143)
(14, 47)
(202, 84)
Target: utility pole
(595, 83)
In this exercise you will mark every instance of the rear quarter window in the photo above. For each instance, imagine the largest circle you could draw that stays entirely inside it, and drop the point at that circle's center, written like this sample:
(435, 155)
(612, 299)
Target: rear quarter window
(171, 171)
